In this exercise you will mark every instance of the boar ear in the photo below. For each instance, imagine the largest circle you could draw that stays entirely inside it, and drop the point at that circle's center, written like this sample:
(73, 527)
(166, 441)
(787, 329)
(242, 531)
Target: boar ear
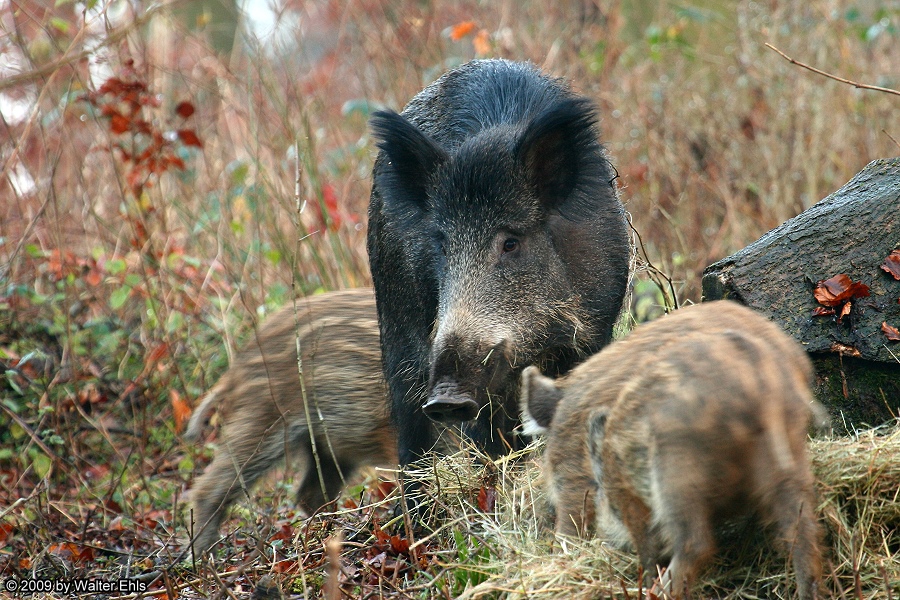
(537, 401)
(560, 151)
(410, 159)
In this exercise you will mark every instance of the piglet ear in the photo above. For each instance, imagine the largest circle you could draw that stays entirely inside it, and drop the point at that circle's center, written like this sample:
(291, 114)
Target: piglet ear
(409, 159)
(560, 152)
(538, 397)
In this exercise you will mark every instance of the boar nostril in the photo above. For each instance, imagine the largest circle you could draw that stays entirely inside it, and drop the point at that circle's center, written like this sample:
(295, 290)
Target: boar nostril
(450, 409)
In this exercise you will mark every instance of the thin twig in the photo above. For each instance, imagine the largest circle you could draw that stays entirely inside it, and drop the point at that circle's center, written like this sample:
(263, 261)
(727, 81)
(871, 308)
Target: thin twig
(891, 137)
(835, 77)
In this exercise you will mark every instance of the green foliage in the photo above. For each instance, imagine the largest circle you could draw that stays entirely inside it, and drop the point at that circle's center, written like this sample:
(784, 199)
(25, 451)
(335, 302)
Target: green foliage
(472, 556)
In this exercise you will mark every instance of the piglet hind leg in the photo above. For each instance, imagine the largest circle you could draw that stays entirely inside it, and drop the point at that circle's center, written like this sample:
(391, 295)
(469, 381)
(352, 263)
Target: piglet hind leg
(792, 511)
(235, 469)
(311, 496)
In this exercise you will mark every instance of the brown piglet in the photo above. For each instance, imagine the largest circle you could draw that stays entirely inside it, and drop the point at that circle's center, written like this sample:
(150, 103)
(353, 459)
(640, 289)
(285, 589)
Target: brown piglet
(331, 422)
(693, 419)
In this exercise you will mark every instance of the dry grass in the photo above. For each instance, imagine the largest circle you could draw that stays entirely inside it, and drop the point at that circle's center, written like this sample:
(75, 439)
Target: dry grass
(859, 491)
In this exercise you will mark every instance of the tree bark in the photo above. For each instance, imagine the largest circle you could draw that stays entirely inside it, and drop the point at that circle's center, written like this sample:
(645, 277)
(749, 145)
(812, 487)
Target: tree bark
(852, 231)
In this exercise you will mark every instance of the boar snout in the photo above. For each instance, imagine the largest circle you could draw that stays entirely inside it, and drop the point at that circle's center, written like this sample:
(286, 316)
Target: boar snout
(463, 376)
(448, 404)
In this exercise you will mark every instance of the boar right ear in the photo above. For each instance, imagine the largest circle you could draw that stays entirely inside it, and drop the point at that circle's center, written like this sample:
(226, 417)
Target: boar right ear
(537, 401)
(561, 155)
(411, 157)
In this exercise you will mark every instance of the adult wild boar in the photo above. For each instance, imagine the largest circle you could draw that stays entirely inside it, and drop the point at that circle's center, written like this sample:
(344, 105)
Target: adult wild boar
(264, 417)
(496, 240)
(691, 420)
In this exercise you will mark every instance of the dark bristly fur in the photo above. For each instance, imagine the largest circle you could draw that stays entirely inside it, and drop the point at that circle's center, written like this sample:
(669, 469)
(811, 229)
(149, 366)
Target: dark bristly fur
(496, 240)
(264, 419)
(691, 420)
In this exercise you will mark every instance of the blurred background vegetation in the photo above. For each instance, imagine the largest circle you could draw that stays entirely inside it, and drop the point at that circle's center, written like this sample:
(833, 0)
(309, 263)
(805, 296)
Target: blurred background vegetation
(170, 171)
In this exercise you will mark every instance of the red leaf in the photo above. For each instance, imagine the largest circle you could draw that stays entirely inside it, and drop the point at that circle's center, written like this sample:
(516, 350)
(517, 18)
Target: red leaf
(189, 138)
(487, 499)
(399, 545)
(821, 311)
(891, 332)
(288, 565)
(892, 264)
(72, 552)
(118, 123)
(285, 533)
(6, 530)
(838, 289)
(184, 109)
(461, 30)
(181, 410)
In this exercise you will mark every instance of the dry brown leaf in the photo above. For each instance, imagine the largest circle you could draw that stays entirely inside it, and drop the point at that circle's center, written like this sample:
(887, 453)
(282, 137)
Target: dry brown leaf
(890, 332)
(892, 264)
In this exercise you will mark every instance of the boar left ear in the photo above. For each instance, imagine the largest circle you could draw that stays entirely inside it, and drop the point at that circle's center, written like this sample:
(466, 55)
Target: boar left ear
(559, 150)
(538, 398)
(411, 159)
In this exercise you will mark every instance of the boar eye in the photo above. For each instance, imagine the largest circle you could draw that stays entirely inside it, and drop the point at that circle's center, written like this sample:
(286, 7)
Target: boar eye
(510, 245)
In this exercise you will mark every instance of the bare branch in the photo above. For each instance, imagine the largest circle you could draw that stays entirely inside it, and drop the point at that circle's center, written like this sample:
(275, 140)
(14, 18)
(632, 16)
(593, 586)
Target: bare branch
(830, 76)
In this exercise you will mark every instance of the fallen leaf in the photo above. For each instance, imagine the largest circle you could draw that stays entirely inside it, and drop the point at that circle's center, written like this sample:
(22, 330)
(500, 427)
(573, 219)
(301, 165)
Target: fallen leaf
(890, 332)
(461, 30)
(892, 264)
(845, 350)
(487, 499)
(6, 530)
(845, 310)
(399, 545)
(838, 289)
(822, 311)
(288, 565)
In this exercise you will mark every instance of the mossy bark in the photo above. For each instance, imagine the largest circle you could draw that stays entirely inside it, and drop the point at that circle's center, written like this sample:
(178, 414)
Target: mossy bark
(851, 231)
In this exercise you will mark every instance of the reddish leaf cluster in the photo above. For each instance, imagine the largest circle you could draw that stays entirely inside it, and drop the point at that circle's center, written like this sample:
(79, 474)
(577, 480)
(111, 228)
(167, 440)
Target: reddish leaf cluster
(837, 293)
(60, 264)
(144, 148)
(481, 42)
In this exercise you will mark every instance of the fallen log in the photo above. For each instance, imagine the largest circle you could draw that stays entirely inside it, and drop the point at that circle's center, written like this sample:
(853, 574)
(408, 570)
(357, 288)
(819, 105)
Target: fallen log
(792, 275)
